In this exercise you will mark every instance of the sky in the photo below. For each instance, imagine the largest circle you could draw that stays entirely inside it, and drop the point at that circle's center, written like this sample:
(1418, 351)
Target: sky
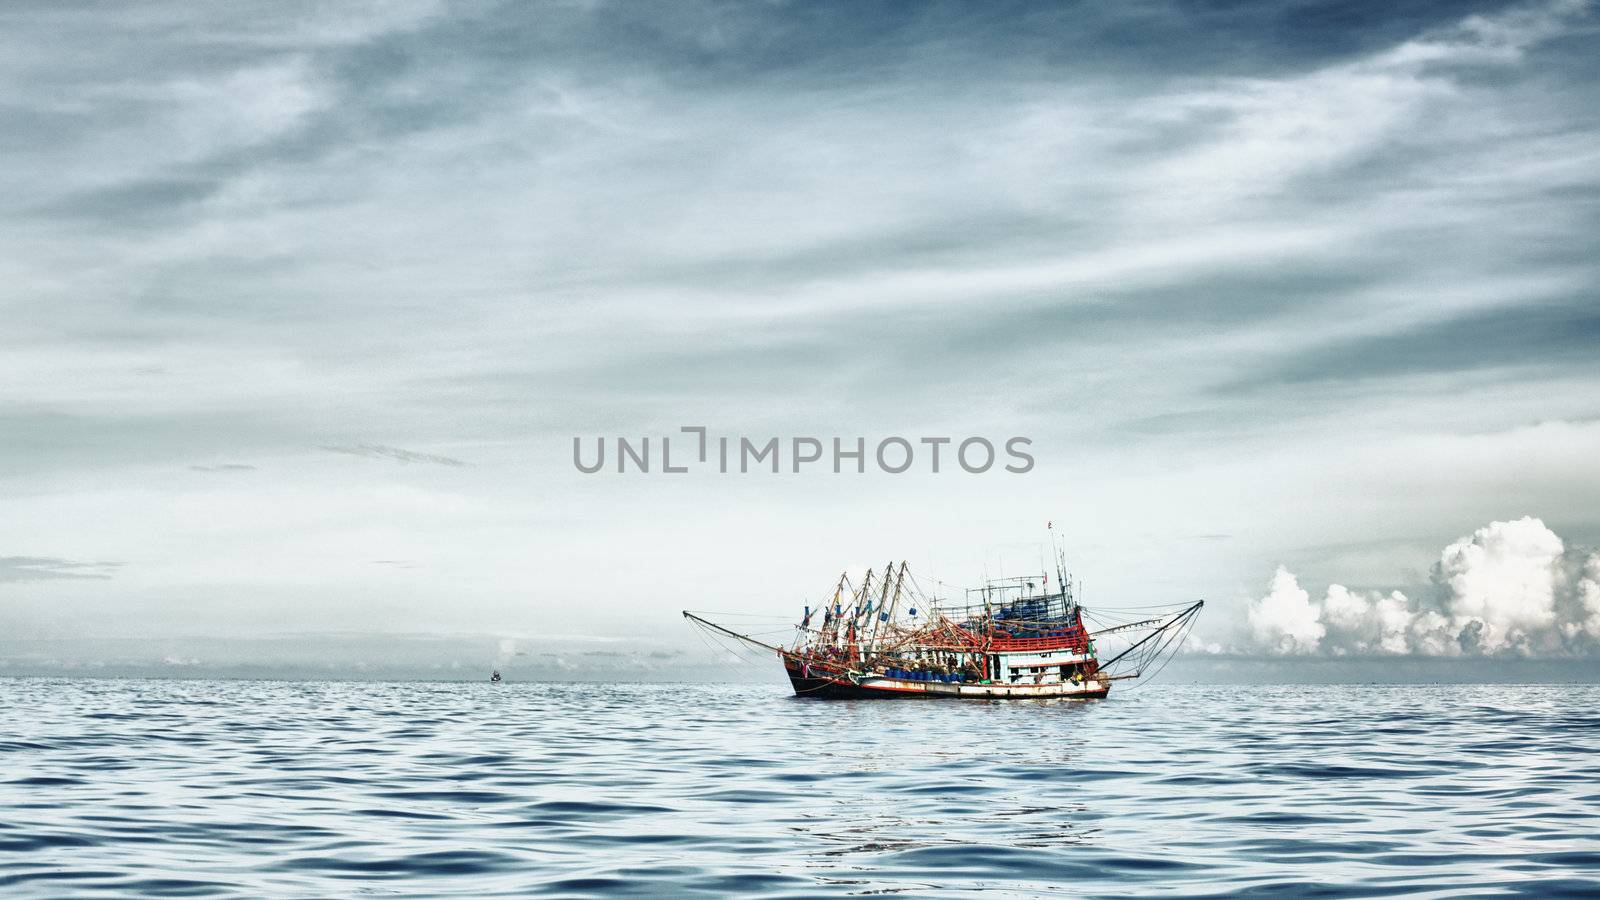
(304, 304)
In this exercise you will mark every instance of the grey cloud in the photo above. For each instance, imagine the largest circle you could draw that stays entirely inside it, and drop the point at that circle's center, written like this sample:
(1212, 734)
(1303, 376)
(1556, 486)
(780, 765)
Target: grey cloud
(1545, 337)
(49, 568)
(224, 467)
(43, 440)
(133, 202)
(480, 59)
(1191, 230)
(379, 451)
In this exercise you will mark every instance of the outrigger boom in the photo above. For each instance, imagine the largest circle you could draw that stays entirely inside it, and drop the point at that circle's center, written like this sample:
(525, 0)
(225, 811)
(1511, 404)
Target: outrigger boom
(707, 623)
(1018, 642)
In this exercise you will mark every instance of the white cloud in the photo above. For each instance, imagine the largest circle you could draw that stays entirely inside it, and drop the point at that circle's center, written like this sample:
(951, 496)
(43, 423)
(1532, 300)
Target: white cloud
(1365, 623)
(1507, 588)
(1504, 577)
(1270, 131)
(1284, 620)
(1587, 593)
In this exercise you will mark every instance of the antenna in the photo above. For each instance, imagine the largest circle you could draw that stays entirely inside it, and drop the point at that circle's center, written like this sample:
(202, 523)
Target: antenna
(1061, 564)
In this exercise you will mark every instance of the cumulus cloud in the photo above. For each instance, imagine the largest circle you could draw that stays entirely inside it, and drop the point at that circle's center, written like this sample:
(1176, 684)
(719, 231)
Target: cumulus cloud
(1285, 621)
(1508, 588)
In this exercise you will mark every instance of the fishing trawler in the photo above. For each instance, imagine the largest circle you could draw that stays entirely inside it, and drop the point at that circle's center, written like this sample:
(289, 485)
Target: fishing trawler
(1012, 638)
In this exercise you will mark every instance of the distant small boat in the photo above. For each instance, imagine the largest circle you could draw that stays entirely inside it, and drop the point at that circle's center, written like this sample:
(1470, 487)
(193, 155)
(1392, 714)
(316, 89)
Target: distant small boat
(1013, 638)
(495, 677)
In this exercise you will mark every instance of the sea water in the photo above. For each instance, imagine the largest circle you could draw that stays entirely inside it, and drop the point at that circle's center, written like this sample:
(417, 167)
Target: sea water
(262, 789)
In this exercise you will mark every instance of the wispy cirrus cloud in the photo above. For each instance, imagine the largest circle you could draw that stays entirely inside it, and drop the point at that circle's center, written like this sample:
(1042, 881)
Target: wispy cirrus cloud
(380, 451)
(1230, 265)
(49, 568)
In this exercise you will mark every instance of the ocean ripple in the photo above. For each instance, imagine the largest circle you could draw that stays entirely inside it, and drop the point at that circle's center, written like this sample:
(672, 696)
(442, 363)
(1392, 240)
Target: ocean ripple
(267, 789)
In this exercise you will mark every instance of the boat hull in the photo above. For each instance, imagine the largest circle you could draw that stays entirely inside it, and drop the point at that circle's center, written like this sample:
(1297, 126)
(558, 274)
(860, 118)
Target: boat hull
(813, 681)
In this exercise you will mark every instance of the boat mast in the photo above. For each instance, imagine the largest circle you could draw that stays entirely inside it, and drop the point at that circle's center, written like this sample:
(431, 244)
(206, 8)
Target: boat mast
(885, 617)
(894, 602)
(872, 621)
(1067, 598)
(861, 597)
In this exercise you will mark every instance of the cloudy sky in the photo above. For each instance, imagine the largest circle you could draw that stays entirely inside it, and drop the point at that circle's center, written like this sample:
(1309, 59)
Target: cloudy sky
(303, 305)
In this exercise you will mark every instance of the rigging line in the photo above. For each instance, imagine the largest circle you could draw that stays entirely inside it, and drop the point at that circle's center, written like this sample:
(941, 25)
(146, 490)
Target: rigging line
(734, 634)
(1147, 657)
(740, 615)
(1188, 612)
(749, 618)
(721, 660)
(1189, 626)
(1119, 617)
(1101, 614)
(1126, 626)
(1176, 647)
(1173, 606)
(1171, 641)
(739, 651)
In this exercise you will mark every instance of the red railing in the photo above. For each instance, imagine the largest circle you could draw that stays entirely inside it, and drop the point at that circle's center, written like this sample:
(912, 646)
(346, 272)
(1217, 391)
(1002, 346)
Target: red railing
(1077, 643)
